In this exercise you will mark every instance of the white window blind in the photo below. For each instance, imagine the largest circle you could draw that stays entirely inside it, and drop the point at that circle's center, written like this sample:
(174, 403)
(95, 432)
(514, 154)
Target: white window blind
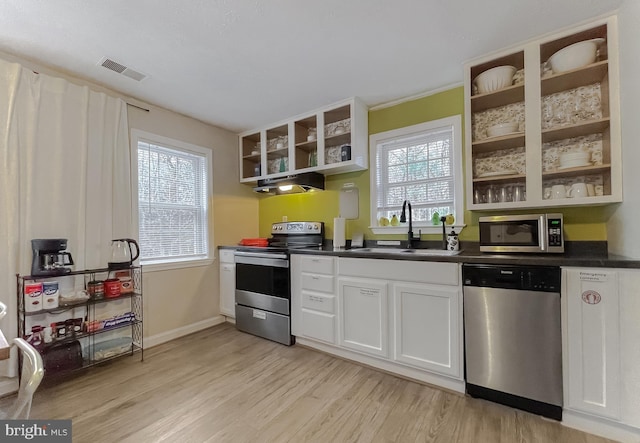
(418, 168)
(172, 204)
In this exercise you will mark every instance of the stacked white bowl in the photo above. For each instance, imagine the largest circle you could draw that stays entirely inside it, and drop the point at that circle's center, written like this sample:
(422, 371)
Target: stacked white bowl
(574, 159)
(575, 56)
(495, 78)
(502, 129)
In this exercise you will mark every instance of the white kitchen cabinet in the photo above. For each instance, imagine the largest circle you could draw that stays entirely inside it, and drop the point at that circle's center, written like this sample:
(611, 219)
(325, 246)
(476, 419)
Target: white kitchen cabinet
(401, 316)
(629, 303)
(426, 327)
(363, 315)
(555, 113)
(593, 341)
(601, 355)
(227, 283)
(330, 140)
(423, 325)
(313, 303)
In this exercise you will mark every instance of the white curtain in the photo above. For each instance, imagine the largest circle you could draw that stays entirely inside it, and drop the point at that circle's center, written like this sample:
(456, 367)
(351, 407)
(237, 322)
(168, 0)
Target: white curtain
(65, 172)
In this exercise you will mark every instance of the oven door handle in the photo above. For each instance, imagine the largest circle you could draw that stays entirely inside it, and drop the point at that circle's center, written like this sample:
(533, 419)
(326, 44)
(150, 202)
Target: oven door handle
(275, 260)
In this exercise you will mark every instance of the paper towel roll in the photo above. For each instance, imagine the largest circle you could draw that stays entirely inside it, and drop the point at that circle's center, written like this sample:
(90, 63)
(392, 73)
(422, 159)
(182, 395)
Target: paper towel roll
(339, 233)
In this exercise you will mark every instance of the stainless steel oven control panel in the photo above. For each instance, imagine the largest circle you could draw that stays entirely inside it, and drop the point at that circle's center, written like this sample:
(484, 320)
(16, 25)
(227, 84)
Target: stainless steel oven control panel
(297, 228)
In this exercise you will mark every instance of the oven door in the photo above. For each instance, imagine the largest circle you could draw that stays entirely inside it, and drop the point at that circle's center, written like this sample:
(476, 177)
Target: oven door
(263, 273)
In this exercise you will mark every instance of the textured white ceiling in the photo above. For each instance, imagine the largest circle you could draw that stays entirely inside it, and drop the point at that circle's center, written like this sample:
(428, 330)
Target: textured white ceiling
(244, 64)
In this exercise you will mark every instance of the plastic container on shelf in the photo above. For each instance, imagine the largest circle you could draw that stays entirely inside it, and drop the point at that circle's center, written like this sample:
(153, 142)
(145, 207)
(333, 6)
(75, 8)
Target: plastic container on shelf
(33, 297)
(50, 294)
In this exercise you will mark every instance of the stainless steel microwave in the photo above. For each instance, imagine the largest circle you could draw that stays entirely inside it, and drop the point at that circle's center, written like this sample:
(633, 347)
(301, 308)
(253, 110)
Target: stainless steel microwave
(532, 233)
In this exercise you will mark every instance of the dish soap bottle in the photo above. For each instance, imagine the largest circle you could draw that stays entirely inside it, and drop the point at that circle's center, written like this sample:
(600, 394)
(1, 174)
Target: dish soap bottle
(395, 221)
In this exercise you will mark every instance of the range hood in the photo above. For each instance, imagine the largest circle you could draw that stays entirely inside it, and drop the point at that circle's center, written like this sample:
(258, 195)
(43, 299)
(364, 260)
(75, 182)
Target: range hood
(291, 184)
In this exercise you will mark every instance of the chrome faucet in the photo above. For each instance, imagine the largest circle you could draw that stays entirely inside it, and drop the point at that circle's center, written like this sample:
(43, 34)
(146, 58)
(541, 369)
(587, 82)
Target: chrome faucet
(403, 219)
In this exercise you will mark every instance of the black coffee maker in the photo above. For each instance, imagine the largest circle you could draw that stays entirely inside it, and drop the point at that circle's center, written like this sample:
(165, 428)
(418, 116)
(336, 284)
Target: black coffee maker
(50, 257)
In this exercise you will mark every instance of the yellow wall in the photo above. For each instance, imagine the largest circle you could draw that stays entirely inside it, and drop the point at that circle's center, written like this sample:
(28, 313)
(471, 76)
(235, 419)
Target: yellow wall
(580, 223)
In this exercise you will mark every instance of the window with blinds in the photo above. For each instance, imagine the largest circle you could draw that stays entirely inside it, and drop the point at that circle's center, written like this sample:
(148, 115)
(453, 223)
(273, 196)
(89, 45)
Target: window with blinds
(418, 164)
(172, 203)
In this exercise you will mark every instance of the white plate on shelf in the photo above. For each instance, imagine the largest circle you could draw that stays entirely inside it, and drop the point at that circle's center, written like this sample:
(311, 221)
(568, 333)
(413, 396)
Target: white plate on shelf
(504, 135)
(578, 165)
(497, 173)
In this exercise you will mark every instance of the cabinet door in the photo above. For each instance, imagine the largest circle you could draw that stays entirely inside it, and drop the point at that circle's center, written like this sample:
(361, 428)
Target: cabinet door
(592, 358)
(318, 325)
(363, 312)
(228, 289)
(629, 290)
(426, 326)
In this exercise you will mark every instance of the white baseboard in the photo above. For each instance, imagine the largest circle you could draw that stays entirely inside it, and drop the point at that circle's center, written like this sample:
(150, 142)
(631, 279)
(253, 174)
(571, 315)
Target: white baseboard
(166, 336)
(600, 426)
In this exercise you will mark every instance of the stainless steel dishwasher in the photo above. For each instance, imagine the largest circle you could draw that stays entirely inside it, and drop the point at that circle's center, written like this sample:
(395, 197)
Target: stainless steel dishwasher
(513, 343)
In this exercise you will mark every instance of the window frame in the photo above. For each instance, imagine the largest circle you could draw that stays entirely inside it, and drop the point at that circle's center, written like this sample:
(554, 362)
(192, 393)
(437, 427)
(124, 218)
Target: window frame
(137, 136)
(454, 122)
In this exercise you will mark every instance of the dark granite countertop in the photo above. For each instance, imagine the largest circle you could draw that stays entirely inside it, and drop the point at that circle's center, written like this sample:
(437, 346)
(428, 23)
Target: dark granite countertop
(581, 254)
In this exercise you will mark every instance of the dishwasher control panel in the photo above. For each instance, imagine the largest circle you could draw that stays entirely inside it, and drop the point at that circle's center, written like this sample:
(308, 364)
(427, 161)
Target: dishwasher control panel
(528, 278)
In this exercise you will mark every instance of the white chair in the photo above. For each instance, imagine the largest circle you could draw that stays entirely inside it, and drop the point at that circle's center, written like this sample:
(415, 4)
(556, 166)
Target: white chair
(32, 373)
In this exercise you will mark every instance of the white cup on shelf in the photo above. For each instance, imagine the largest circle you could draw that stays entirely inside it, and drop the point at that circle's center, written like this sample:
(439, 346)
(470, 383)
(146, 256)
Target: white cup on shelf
(578, 190)
(558, 191)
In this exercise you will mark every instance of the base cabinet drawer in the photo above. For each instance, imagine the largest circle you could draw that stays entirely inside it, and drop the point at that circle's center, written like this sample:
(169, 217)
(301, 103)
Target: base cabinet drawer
(317, 265)
(318, 302)
(315, 282)
(270, 325)
(318, 325)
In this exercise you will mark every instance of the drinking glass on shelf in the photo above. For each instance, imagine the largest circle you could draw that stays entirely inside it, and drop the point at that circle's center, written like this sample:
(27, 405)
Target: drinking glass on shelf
(478, 197)
(518, 193)
(491, 196)
(504, 194)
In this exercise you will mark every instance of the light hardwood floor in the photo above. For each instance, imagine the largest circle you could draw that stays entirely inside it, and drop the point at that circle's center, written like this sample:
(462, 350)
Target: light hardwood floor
(221, 385)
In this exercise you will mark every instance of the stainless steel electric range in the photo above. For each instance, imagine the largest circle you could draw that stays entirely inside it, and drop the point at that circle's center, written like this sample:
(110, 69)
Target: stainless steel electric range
(263, 288)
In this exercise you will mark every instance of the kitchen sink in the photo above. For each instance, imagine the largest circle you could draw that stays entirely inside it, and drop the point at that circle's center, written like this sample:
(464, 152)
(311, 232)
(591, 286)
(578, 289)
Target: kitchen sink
(430, 252)
(377, 250)
(433, 252)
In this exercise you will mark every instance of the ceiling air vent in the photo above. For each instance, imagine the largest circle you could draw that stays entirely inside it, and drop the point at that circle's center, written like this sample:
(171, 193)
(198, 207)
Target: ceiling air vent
(122, 69)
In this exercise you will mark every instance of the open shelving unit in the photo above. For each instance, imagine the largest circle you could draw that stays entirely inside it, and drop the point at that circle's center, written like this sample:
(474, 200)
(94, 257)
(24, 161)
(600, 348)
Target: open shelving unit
(94, 324)
(556, 113)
